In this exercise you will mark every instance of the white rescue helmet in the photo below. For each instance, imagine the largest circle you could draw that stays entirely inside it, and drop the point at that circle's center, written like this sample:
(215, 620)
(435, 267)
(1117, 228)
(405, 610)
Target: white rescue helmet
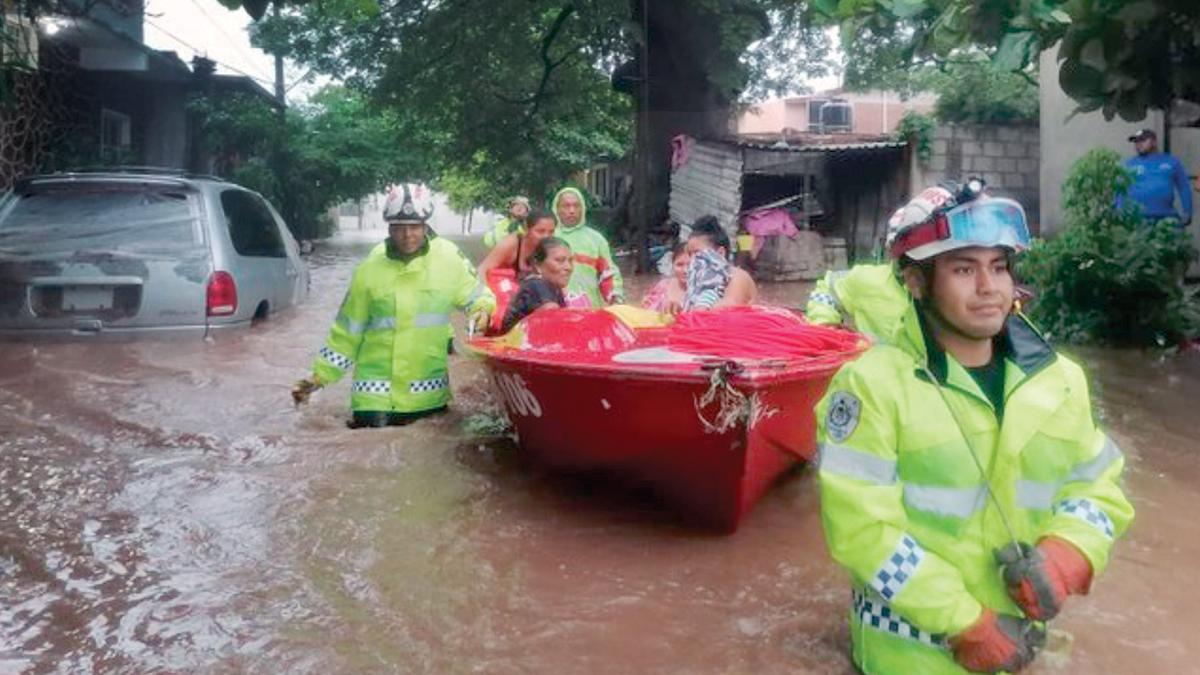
(408, 204)
(947, 217)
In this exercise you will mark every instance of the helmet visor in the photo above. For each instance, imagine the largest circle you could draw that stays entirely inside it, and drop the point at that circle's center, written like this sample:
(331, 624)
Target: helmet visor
(989, 222)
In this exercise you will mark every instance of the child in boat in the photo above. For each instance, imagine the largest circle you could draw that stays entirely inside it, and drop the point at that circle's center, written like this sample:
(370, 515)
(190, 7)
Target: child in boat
(543, 288)
(711, 280)
(666, 296)
(514, 250)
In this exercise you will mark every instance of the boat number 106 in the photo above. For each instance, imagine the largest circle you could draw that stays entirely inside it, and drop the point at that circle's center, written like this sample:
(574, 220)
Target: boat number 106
(517, 395)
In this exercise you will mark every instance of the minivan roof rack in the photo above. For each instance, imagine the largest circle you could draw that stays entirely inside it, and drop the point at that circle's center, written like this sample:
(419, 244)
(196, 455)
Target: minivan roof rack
(141, 170)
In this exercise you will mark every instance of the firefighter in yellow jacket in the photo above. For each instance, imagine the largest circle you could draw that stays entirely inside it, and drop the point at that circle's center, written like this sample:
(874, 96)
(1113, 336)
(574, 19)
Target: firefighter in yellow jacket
(513, 221)
(867, 298)
(964, 484)
(391, 328)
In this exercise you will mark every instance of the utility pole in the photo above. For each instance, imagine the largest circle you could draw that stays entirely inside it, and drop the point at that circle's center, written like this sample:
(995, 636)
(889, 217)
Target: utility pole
(280, 162)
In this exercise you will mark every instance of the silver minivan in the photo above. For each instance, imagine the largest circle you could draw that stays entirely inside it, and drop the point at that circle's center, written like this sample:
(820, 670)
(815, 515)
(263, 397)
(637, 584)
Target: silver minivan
(130, 253)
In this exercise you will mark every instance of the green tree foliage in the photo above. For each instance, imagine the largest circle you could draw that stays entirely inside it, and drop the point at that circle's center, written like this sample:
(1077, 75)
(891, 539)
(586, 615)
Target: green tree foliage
(521, 94)
(467, 191)
(974, 92)
(334, 149)
(1118, 56)
(1109, 276)
(968, 86)
(919, 127)
(509, 93)
(797, 49)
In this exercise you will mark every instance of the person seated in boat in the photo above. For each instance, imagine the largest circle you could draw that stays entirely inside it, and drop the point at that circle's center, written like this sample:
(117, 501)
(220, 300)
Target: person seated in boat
(666, 296)
(513, 251)
(712, 281)
(544, 288)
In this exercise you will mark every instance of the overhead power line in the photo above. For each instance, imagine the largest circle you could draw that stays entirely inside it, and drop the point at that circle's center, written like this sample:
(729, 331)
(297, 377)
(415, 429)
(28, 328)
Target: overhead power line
(200, 52)
(229, 39)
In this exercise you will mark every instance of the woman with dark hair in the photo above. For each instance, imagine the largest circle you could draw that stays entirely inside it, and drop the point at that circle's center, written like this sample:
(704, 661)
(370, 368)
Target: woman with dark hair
(513, 251)
(543, 287)
(666, 296)
(711, 280)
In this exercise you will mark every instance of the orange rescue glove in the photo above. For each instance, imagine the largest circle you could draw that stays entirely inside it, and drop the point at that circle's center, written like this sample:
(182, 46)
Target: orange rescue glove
(997, 643)
(1040, 579)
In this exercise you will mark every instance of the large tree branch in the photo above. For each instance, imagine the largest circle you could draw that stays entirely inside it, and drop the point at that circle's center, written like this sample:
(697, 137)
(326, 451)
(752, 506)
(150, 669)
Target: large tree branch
(549, 65)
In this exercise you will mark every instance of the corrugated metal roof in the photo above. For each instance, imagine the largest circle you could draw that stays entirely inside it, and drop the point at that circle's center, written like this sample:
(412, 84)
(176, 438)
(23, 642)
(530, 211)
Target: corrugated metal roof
(818, 146)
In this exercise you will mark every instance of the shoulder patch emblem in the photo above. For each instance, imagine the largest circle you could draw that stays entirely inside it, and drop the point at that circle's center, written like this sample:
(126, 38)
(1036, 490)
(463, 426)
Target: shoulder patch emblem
(842, 417)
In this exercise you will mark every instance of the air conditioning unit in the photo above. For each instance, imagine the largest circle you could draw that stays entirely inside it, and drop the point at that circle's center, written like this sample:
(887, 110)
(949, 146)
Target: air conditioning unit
(19, 42)
(837, 117)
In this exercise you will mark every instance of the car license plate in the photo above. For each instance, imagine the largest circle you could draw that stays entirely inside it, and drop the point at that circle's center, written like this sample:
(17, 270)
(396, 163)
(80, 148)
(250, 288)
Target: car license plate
(78, 298)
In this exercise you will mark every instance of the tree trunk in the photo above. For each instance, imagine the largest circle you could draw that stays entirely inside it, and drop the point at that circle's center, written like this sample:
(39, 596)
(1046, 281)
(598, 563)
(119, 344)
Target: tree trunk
(674, 95)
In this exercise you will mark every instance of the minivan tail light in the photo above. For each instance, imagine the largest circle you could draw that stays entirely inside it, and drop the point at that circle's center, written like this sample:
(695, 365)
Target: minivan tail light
(222, 294)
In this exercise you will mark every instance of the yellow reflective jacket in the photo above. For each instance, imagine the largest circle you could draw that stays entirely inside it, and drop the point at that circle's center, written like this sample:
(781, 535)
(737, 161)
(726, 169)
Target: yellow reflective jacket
(905, 508)
(503, 228)
(868, 298)
(392, 328)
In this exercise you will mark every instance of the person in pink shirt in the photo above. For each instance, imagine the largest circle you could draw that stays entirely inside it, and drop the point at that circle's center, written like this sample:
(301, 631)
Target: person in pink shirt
(666, 296)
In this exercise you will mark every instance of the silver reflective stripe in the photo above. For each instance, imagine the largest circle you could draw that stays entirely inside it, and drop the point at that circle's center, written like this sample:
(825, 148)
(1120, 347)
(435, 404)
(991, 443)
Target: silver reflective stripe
(1034, 495)
(1037, 495)
(851, 463)
(352, 327)
(945, 501)
(427, 320)
(837, 275)
(1093, 468)
(834, 278)
(380, 323)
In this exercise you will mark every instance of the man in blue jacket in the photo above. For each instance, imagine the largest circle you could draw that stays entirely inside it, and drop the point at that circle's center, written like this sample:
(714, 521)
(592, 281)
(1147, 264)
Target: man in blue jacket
(1156, 177)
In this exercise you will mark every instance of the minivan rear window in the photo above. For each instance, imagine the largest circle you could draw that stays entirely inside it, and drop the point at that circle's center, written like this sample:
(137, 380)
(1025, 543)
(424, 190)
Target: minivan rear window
(84, 218)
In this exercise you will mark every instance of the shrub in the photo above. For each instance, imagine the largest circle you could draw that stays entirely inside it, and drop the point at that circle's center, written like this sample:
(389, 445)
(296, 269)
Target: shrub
(1109, 276)
(920, 127)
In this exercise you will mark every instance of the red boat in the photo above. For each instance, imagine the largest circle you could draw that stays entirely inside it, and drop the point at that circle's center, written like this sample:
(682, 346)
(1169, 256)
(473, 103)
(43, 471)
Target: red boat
(709, 434)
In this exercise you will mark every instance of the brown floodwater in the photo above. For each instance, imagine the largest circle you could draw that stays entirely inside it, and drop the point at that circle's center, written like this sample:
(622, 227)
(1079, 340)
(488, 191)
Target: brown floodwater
(164, 508)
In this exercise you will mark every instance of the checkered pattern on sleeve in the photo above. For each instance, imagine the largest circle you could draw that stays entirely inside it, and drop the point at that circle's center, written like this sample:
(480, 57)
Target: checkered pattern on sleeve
(336, 360)
(1088, 512)
(898, 568)
(423, 386)
(879, 615)
(824, 299)
(372, 387)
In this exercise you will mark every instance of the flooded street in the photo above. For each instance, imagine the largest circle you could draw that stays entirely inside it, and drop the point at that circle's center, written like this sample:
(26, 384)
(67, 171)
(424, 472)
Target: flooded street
(165, 508)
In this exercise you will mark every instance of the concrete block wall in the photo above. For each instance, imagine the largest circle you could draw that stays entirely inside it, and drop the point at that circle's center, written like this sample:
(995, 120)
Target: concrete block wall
(1007, 157)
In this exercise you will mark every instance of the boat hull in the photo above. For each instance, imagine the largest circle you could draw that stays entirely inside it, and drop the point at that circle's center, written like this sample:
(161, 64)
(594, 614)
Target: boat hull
(647, 429)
